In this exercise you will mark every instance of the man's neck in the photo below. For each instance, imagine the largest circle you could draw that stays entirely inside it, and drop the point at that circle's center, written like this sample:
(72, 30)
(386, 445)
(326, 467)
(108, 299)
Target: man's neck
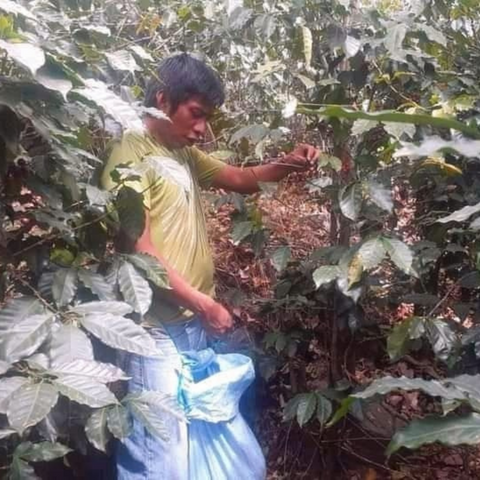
(155, 129)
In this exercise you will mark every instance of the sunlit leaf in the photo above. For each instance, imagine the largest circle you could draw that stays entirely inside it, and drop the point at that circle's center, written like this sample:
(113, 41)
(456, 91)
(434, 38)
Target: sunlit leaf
(65, 284)
(26, 55)
(135, 289)
(447, 431)
(325, 274)
(350, 199)
(119, 332)
(119, 421)
(85, 390)
(30, 404)
(96, 429)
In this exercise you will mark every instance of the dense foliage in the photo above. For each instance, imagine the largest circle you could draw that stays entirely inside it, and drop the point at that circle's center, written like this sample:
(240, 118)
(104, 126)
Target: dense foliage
(389, 90)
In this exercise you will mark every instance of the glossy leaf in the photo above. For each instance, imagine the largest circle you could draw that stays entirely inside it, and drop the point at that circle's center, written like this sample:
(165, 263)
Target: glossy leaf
(100, 372)
(110, 307)
(122, 333)
(152, 422)
(64, 287)
(158, 400)
(28, 56)
(447, 431)
(280, 258)
(30, 404)
(8, 386)
(97, 284)
(85, 390)
(18, 310)
(325, 274)
(135, 289)
(96, 429)
(400, 254)
(44, 452)
(461, 215)
(69, 343)
(350, 199)
(119, 421)
(442, 338)
(324, 409)
(151, 267)
(400, 337)
(380, 195)
(388, 384)
(371, 253)
(25, 337)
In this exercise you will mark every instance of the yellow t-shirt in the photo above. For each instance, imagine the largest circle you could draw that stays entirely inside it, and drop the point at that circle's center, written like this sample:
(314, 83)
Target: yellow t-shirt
(170, 184)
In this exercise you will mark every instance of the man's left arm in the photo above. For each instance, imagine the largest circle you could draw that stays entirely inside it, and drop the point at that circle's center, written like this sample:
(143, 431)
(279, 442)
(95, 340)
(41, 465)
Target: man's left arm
(246, 180)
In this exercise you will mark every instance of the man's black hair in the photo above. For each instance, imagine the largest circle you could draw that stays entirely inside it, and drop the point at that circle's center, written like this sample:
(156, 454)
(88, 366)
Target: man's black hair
(182, 76)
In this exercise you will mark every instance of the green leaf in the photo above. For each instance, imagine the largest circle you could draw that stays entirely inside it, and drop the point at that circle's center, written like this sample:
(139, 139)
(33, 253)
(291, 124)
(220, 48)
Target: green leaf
(350, 199)
(53, 80)
(362, 126)
(389, 116)
(64, 287)
(122, 60)
(152, 422)
(28, 56)
(461, 215)
(324, 409)
(121, 333)
(394, 40)
(131, 212)
(265, 25)
(325, 274)
(68, 343)
(399, 130)
(371, 253)
(162, 401)
(96, 429)
(30, 404)
(433, 34)
(448, 431)
(280, 258)
(97, 284)
(152, 268)
(21, 470)
(18, 310)
(100, 372)
(85, 391)
(388, 384)
(441, 337)
(241, 231)
(400, 254)
(113, 308)
(119, 421)
(401, 335)
(135, 289)
(44, 452)
(122, 112)
(8, 386)
(306, 405)
(329, 160)
(23, 338)
(9, 6)
(380, 196)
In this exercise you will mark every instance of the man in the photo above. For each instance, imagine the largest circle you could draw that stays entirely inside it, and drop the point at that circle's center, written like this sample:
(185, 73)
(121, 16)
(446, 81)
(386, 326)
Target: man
(187, 91)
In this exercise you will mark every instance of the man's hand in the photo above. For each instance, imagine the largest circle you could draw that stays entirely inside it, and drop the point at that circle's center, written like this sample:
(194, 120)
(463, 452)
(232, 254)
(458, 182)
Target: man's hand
(216, 318)
(302, 158)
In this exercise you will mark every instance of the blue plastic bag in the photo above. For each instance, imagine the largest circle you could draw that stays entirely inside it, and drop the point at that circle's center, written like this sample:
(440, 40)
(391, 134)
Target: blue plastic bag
(221, 444)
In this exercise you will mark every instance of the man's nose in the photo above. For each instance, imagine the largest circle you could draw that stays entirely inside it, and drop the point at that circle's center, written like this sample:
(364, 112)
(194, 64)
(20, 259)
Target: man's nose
(200, 128)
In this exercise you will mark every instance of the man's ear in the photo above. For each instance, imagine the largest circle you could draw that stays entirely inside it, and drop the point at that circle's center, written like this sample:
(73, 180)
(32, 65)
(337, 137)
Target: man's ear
(162, 103)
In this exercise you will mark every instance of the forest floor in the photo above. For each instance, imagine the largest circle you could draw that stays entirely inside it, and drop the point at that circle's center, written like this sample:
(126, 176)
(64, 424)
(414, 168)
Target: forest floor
(353, 449)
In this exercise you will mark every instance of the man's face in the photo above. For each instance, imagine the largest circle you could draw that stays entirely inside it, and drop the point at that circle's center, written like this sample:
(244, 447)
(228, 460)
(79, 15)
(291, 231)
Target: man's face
(188, 122)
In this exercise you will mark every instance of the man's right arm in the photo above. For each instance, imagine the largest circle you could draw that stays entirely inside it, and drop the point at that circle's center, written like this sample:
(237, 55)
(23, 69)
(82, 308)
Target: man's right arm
(217, 319)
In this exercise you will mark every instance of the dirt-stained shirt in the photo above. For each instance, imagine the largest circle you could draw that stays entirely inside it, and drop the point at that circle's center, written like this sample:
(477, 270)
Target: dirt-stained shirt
(170, 182)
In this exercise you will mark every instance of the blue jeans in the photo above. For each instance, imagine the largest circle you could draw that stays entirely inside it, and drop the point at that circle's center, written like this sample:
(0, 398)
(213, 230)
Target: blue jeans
(142, 456)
